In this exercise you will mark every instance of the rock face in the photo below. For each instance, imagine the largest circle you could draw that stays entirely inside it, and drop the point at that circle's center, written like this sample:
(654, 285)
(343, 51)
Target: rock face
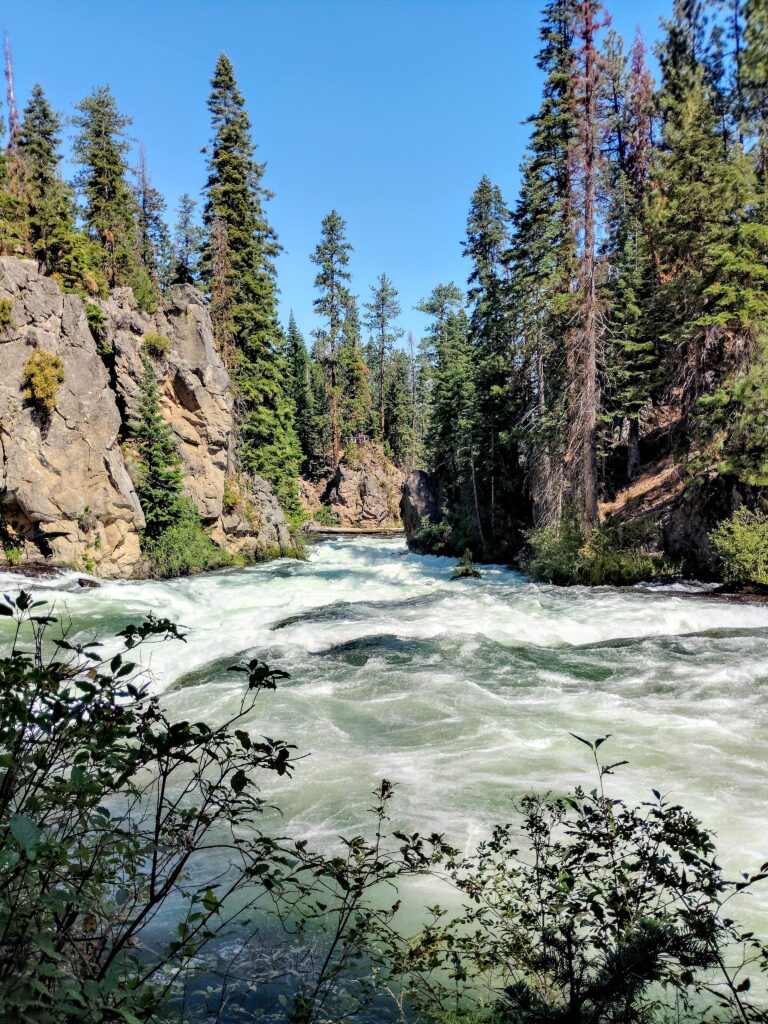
(63, 473)
(363, 490)
(419, 501)
(193, 384)
(69, 473)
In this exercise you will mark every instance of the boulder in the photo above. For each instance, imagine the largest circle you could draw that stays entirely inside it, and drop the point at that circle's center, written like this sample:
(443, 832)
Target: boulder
(419, 502)
(252, 523)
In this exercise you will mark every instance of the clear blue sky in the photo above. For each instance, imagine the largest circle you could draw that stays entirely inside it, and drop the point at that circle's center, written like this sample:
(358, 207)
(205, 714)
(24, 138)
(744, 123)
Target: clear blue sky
(388, 111)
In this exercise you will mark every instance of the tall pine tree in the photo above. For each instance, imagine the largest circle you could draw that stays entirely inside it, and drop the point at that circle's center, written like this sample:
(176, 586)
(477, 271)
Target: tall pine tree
(239, 271)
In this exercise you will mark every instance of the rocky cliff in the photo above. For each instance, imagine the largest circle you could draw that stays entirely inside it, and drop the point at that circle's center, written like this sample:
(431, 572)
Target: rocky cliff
(66, 489)
(363, 491)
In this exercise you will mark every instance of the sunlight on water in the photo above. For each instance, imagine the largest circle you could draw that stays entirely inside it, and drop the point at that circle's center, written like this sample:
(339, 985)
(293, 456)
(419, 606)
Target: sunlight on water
(464, 693)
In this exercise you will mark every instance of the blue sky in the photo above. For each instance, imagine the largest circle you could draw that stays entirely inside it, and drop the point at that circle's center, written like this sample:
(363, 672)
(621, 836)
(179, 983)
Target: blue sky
(388, 111)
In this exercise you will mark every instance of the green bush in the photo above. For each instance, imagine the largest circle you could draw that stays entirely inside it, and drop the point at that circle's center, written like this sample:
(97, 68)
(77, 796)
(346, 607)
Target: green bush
(184, 549)
(465, 570)
(325, 516)
(741, 543)
(107, 809)
(42, 376)
(97, 322)
(434, 538)
(609, 556)
(6, 312)
(157, 345)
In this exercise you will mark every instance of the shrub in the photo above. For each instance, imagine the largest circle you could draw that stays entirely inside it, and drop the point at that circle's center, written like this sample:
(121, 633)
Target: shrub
(157, 345)
(434, 538)
(741, 543)
(97, 322)
(107, 812)
(43, 375)
(184, 549)
(6, 312)
(325, 516)
(466, 570)
(609, 556)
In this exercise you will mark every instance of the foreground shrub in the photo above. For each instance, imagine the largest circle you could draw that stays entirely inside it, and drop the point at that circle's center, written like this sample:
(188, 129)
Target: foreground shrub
(741, 543)
(42, 377)
(183, 550)
(108, 812)
(586, 910)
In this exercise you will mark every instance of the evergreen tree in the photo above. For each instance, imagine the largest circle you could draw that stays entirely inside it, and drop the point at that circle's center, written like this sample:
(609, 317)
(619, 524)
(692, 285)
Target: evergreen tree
(161, 482)
(187, 242)
(101, 149)
(238, 269)
(153, 237)
(543, 262)
(492, 334)
(299, 384)
(331, 256)
(355, 400)
(383, 311)
(398, 406)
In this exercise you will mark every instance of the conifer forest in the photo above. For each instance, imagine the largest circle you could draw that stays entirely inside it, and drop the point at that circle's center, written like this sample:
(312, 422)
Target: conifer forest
(492, 563)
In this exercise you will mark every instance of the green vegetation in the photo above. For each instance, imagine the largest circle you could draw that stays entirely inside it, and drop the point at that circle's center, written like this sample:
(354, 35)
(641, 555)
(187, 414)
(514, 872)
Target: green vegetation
(325, 516)
(6, 313)
(109, 811)
(608, 556)
(466, 569)
(157, 345)
(741, 543)
(42, 377)
(175, 543)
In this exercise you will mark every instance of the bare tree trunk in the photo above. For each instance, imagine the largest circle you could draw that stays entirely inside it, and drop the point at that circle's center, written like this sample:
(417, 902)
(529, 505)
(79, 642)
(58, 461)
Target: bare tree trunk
(381, 386)
(477, 504)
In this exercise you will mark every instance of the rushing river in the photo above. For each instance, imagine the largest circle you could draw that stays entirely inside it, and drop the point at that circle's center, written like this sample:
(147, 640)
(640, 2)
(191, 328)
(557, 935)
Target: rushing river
(464, 693)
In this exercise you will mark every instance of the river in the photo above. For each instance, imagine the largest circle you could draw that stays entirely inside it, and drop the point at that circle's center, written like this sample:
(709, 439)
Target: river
(464, 693)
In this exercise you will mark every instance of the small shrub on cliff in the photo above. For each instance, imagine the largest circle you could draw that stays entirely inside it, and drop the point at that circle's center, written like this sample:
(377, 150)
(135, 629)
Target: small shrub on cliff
(325, 516)
(6, 313)
(42, 376)
(97, 322)
(741, 543)
(157, 345)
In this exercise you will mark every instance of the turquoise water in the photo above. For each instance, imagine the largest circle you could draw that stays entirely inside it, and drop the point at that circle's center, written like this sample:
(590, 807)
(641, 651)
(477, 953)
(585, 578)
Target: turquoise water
(464, 693)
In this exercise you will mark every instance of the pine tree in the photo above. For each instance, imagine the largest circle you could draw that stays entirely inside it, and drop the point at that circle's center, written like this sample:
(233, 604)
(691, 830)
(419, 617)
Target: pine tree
(355, 400)
(161, 481)
(331, 256)
(543, 262)
(398, 405)
(154, 242)
(52, 237)
(492, 334)
(101, 149)
(297, 363)
(383, 310)
(238, 269)
(187, 242)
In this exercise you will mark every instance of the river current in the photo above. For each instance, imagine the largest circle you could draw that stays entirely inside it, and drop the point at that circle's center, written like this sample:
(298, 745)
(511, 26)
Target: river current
(464, 693)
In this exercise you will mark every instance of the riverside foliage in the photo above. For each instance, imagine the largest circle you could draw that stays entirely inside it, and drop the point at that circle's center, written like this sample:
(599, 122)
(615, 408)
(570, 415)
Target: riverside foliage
(137, 884)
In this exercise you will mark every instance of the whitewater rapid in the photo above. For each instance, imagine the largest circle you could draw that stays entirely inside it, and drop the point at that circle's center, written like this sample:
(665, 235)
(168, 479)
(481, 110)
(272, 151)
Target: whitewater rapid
(463, 693)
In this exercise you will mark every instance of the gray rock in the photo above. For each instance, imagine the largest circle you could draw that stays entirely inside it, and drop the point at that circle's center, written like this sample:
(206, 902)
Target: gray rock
(419, 501)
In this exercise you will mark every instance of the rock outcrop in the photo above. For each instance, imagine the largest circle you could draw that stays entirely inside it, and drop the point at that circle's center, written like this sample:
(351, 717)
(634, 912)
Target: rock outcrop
(363, 490)
(68, 473)
(62, 473)
(419, 502)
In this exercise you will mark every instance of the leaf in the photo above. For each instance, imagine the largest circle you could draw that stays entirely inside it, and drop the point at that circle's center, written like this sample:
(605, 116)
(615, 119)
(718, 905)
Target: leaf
(239, 781)
(25, 832)
(744, 986)
(582, 740)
